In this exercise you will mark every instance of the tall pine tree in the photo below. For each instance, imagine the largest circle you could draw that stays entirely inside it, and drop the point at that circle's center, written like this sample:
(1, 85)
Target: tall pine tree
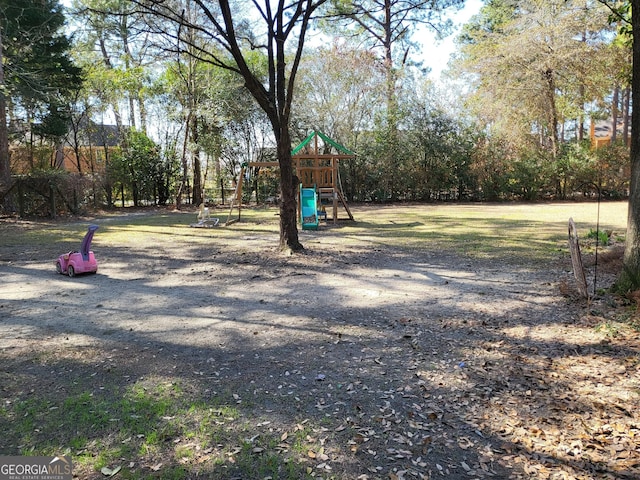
(36, 72)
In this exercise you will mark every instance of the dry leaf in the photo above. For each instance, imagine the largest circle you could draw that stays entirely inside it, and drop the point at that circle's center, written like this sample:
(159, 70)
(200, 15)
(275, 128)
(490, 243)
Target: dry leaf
(107, 472)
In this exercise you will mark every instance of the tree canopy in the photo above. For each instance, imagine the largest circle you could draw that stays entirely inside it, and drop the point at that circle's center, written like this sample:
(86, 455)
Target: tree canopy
(36, 71)
(224, 38)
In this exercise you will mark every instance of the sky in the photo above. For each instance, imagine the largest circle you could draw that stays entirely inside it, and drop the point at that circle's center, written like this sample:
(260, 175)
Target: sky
(436, 54)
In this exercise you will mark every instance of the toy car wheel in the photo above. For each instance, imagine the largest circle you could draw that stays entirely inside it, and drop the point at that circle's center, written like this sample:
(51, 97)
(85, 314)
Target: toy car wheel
(58, 267)
(71, 271)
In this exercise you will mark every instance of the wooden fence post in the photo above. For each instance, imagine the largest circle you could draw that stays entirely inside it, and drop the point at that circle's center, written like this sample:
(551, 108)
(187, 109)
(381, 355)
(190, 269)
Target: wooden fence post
(20, 199)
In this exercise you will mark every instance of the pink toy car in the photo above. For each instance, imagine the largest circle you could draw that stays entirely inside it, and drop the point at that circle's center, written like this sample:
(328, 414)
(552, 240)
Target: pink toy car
(73, 263)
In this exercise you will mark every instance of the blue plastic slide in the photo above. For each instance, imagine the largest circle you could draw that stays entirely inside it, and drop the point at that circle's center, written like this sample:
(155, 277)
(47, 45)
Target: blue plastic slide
(309, 208)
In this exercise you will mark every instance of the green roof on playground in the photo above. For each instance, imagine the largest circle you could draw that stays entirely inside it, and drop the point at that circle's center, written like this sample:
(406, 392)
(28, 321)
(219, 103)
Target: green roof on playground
(324, 137)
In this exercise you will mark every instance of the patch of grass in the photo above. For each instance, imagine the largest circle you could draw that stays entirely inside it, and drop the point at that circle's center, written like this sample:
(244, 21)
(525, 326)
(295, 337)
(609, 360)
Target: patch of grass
(609, 328)
(263, 459)
(300, 441)
(517, 233)
(84, 457)
(623, 324)
(628, 320)
(523, 232)
(28, 419)
(600, 235)
(153, 430)
(86, 410)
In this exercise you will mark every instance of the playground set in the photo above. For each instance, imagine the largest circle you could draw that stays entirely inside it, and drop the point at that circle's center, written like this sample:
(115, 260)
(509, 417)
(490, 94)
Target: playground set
(315, 163)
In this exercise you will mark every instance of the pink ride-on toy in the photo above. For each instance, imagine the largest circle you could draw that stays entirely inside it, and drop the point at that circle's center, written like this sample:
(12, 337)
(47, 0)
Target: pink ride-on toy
(73, 263)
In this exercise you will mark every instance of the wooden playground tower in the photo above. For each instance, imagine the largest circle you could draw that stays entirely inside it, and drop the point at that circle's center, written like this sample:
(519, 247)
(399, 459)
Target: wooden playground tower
(315, 163)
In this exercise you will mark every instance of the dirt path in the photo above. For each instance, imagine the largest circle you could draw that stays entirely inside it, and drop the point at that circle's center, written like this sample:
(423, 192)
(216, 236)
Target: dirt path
(409, 364)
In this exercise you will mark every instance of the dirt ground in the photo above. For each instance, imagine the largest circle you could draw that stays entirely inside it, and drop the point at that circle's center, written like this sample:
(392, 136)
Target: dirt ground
(409, 363)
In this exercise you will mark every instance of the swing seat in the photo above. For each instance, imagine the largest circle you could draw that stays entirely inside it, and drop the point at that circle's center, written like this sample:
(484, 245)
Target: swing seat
(322, 212)
(203, 213)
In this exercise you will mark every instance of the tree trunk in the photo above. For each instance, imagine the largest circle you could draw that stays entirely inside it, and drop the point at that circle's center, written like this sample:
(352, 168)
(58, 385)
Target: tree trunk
(197, 165)
(625, 115)
(630, 278)
(614, 114)
(580, 136)
(391, 133)
(288, 206)
(124, 34)
(197, 178)
(134, 188)
(142, 109)
(183, 161)
(549, 76)
(109, 65)
(107, 184)
(5, 165)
